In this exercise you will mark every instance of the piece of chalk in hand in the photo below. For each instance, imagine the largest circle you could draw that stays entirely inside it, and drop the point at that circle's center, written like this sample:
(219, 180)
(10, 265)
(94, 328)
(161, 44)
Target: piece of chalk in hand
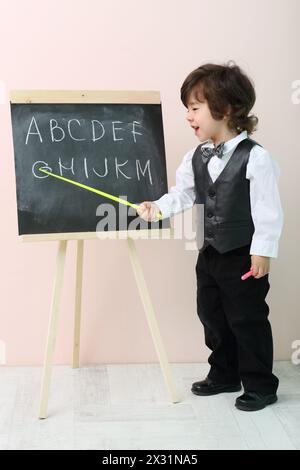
(246, 275)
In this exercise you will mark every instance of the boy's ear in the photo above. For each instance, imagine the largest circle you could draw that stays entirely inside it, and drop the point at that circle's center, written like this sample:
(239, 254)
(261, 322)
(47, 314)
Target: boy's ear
(227, 112)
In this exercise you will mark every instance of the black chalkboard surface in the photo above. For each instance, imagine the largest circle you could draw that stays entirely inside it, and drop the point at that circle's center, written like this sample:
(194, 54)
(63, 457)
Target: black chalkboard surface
(117, 148)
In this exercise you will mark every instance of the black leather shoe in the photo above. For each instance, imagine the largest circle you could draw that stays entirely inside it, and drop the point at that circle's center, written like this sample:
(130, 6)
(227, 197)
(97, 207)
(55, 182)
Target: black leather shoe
(251, 401)
(208, 387)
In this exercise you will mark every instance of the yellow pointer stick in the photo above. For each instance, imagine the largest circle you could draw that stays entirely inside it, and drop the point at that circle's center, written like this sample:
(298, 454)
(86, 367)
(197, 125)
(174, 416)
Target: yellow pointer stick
(97, 191)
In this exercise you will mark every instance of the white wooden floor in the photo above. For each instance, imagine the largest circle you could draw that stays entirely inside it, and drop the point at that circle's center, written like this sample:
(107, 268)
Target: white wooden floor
(127, 407)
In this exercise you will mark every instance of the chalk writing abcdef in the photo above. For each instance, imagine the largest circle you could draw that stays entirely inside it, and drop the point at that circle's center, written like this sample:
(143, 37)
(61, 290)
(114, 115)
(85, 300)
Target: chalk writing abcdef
(72, 129)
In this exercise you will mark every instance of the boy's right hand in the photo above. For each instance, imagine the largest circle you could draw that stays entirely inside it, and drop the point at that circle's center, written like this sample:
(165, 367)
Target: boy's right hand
(148, 211)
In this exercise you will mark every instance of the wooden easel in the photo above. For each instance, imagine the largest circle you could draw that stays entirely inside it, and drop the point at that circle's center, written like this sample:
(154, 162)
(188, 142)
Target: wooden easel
(54, 315)
(88, 96)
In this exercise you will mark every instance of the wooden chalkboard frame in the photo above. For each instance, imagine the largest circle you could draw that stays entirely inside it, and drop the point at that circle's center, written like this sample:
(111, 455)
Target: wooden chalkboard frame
(96, 97)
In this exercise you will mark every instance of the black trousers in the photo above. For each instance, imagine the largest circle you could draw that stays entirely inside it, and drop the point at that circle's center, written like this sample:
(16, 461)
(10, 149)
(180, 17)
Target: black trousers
(234, 314)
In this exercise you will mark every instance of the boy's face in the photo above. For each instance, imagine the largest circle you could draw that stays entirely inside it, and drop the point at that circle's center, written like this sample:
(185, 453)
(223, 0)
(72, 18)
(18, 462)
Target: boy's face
(200, 118)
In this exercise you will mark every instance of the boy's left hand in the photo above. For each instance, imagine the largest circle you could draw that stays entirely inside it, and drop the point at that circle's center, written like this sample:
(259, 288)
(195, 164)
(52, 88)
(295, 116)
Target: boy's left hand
(260, 266)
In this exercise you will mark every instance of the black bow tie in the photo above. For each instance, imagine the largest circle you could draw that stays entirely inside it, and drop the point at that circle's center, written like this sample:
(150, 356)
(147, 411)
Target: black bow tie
(208, 152)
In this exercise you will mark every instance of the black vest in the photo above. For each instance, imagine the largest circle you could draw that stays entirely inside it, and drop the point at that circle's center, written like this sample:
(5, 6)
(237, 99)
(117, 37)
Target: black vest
(227, 216)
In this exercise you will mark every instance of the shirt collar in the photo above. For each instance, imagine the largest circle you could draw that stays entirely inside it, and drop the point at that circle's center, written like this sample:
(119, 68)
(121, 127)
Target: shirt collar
(229, 144)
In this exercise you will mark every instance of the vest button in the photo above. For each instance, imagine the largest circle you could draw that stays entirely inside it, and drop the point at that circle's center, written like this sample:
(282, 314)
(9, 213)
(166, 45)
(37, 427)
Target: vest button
(210, 215)
(212, 193)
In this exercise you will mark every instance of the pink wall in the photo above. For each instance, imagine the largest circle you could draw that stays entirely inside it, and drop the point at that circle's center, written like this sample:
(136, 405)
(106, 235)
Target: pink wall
(139, 45)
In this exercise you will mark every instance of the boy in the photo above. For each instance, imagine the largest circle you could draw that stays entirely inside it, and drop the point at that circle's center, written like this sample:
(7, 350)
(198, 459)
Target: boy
(236, 180)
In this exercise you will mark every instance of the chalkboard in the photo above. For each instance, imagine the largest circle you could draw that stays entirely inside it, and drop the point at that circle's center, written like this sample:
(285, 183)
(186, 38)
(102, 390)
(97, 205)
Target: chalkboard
(117, 148)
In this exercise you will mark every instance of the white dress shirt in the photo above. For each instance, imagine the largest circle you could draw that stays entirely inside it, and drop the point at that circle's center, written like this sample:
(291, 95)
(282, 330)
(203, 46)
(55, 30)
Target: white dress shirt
(263, 173)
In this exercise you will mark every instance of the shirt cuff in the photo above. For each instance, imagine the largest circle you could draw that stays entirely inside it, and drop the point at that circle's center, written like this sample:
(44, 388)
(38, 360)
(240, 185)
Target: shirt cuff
(164, 209)
(264, 248)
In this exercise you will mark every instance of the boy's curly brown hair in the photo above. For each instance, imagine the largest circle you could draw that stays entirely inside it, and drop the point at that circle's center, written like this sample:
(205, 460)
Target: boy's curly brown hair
(225, 88)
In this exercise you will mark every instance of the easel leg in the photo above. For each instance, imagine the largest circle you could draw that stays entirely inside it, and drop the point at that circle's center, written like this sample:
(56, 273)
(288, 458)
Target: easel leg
(78, 293)
(52, 328)
(150, 315)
